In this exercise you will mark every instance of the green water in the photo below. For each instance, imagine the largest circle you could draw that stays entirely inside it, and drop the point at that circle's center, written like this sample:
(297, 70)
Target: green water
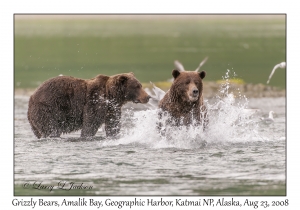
(45, 47)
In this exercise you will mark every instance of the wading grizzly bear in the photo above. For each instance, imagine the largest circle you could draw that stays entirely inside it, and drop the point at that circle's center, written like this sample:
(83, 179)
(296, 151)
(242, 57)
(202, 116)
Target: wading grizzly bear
(64, 104)
(183, 103)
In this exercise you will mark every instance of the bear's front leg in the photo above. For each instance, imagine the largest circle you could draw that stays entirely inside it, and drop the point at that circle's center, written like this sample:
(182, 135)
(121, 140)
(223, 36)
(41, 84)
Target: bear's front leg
(93, 118)
(113, 121)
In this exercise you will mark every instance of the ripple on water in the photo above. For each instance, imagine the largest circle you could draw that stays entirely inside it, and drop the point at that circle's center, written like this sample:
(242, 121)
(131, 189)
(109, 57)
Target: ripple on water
(241, 156)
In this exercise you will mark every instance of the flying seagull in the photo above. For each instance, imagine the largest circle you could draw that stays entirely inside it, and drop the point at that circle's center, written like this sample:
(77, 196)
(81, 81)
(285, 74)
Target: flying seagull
(201, 64)
(159, 93)
(155, 98)
(180, 67)
(280, 65)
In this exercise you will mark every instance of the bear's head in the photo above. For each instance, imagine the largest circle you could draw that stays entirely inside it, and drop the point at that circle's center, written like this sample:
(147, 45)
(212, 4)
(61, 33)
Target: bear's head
(124, 88)
(187, 85)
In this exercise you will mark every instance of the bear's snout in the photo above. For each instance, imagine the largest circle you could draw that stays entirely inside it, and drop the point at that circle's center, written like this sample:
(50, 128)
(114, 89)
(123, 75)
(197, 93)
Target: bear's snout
(143, 98)
(195, 92)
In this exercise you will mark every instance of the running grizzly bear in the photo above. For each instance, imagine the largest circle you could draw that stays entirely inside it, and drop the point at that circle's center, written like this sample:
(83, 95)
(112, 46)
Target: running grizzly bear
(64, 104)
(183, 103)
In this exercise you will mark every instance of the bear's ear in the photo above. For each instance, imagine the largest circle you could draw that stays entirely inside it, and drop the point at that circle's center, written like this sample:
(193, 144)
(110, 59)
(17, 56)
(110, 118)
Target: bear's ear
(131, 73)
(202, 74)
(175, 73)
(123, 79)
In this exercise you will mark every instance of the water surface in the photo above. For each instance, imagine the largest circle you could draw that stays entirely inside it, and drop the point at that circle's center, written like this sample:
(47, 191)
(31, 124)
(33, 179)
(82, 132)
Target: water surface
(237, 155)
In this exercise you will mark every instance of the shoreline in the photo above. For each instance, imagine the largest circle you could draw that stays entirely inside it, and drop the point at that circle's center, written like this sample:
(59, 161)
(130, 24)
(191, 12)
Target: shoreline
(211, 89)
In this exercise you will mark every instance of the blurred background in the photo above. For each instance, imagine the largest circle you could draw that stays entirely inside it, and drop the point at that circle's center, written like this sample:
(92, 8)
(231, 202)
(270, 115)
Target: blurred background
(86, 45)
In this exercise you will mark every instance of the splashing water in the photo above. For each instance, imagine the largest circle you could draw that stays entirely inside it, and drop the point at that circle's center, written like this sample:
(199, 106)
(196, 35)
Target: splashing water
(226, 159)
(228, 123)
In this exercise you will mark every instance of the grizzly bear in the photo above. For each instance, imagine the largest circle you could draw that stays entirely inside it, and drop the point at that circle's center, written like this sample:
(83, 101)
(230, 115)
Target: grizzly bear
(183, 103)
(64, 104)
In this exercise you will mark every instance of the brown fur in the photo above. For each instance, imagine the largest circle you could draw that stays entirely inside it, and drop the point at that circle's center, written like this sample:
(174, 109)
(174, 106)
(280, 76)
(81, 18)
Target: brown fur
(64, 104)
(184, 101)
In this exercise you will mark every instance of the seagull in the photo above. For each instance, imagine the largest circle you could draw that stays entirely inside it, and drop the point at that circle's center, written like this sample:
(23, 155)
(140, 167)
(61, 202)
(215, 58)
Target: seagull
(280, 65)
(201, 64)
(152, 103)
(269, 119)
(159, 93)
(156, 97)
(180, 67)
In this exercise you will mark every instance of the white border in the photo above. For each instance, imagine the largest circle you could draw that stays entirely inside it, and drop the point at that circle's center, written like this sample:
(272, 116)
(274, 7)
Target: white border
(156, 6)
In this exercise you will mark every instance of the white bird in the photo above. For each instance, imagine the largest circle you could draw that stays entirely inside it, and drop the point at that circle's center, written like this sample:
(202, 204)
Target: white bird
(269, 119)
(150, 93)
(280, 65)
(159, 93)
(180, 67)
(155, 98)
(153, 102)
(201, 64)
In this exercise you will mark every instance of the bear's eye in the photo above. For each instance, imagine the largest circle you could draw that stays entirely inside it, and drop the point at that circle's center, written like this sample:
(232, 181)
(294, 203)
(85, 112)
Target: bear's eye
(187, 82)
(137, 86)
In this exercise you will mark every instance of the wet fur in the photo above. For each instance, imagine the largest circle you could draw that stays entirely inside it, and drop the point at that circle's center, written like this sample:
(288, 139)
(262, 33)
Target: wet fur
(65, 104)
(177, 105)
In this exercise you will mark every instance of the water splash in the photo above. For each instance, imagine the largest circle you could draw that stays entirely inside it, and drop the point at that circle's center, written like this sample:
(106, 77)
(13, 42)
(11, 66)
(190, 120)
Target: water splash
(229, 123)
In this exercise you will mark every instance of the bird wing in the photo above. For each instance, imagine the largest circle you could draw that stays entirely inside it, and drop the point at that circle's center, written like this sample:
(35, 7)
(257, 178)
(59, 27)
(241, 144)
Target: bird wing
(275, 67)
(201, 64)
(158, 92)
(147, 90)
(178, 65)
